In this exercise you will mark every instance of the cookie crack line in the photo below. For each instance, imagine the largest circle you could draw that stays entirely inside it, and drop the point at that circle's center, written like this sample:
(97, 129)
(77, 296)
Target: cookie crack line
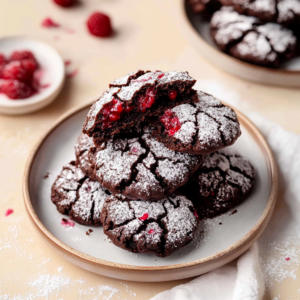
(219, 127)
(134, 172)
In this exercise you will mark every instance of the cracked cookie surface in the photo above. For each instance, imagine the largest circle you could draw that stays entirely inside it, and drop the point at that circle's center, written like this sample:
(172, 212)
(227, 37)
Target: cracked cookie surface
(83, 148)
(244, 37)
(279, 11)
(204, 126)
(149, 227)
(140, 167)
(77, 196)
(224, 180)
(134, 97)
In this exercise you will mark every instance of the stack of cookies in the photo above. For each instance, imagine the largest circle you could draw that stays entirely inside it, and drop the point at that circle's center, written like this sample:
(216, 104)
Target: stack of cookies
(149, 164)
(262, 32)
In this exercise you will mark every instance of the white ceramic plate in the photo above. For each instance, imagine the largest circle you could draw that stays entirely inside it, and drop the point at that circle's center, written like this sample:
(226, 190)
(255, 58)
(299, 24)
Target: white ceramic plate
(218, 244)
(53, 74)
(198, 30)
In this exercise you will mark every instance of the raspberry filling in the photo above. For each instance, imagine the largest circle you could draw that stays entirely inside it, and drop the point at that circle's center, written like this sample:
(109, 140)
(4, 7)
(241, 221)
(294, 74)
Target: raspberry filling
(111, 113)
(144, 217)
(151, 231)
(172, 94)
(196, 215)
(171, 122)
(147, 100)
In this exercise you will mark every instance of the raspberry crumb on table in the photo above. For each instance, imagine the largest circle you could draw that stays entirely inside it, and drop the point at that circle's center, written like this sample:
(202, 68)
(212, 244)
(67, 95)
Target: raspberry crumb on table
(9, 212)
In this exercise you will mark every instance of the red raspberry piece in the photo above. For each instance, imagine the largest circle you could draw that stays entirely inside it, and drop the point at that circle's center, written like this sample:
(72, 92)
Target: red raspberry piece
(21, 55)
(172, 94)
(195, 214)
(49, 23)
(144, 217)
(171, 122)
(30, 64)
(15, 89)
(151, 231)
(99, 25)
(3, 60)
(18, 70)
(64, 3)
(128, 108)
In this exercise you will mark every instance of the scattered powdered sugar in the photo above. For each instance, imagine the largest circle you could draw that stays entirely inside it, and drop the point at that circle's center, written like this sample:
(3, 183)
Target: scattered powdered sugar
(105, 292)
(47, 284)
(279, 260)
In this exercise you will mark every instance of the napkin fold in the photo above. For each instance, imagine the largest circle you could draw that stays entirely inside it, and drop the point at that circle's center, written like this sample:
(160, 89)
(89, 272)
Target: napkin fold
(276, 253)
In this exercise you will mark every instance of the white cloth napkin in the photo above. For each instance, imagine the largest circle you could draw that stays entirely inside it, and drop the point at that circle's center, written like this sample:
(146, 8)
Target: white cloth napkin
(276, 253)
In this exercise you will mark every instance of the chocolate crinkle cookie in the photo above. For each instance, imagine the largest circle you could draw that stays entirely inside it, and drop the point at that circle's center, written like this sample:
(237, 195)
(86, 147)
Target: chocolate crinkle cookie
(140, 167)
(83, 148)
(198, 128)
(77, 196)
(246, 38)
(278, 11)
(132, 98)
(159, 227)
(199, 6)
(223, 181)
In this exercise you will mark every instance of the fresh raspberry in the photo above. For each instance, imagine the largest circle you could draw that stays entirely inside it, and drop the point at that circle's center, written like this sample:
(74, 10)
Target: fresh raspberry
(19, 70)
(21, 55)
(3, 60)
(15, 89)
(151, 231)
(99, 25)
(64, 3)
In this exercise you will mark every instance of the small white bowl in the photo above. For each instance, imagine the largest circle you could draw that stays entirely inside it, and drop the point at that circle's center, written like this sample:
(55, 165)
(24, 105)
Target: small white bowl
(52, 66)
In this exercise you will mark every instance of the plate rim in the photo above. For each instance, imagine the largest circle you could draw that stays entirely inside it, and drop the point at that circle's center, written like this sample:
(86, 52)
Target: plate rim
(262, 222)
(226, 56)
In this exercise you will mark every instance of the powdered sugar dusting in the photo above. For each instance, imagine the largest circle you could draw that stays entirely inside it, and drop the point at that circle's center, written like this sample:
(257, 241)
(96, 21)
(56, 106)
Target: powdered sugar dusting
(143, 163)
(246, 38)
(171, 219)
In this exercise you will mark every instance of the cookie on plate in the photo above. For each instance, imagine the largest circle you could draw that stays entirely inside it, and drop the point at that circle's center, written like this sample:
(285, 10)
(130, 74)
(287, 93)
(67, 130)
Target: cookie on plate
(130, 99)
(198, 128)
(247, 39)
(140, 167)
(77, 196)
(223, 181)
(149, 227)
(83, 148)
(278, 11)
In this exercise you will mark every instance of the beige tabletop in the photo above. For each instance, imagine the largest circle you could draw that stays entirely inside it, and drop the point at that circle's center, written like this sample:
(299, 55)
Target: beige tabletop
(148, 35)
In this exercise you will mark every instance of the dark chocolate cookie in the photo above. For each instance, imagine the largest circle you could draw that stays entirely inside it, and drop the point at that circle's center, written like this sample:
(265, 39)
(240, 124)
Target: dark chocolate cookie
(198, 128)
(149, 227)
(140, 167)
(247, 39)
(77, 196)
(83, 148)
(223, 181)
(199, 6)
(132, 98)
(278, 11)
